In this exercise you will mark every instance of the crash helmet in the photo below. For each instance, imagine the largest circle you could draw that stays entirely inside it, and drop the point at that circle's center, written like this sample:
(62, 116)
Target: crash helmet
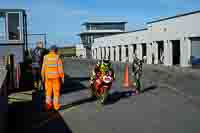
(106, 62)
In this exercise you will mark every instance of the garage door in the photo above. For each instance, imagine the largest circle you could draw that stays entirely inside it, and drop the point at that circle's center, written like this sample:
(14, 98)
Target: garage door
(195, 51)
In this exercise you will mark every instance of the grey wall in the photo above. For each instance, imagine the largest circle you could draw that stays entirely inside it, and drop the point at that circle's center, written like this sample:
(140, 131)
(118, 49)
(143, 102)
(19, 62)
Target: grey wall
(17, 50)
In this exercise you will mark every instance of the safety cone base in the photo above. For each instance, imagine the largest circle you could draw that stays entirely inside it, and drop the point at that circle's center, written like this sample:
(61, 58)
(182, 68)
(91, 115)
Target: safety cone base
(126, 85)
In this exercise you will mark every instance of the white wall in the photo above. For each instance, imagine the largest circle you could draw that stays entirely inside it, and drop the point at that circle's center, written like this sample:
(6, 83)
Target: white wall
(122, 39)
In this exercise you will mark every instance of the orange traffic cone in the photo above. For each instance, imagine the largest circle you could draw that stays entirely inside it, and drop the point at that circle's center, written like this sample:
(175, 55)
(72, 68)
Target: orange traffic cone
(126, 78)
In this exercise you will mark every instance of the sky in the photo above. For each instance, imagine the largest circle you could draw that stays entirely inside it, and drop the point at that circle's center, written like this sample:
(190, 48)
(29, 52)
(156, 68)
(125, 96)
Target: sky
(62, 19)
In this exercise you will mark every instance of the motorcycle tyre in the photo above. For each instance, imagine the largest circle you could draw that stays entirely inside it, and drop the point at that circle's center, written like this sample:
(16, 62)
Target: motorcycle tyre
(103, 97)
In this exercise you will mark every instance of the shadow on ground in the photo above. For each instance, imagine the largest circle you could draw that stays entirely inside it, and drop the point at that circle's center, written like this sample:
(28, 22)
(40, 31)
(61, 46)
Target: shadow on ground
(28, 117)
(153, 87)
(77, 103)
(116, 96)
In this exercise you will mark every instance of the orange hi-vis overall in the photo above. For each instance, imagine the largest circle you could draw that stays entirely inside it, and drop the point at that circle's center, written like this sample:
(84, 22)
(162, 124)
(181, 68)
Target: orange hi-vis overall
(52, 72)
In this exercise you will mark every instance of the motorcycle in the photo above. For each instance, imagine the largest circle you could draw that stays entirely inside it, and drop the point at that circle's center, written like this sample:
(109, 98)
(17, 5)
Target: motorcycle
(101, 86)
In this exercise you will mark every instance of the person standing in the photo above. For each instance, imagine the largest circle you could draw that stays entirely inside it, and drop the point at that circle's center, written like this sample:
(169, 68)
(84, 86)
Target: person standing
(52, 73)
(137, 73)
(37, 60)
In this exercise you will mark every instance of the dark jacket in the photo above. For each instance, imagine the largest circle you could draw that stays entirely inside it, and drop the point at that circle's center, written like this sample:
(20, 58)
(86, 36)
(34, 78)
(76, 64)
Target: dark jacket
(38, 55)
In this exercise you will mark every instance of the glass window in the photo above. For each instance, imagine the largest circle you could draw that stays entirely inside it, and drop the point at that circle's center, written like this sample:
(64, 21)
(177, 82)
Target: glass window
(2, 26)
(13, 26)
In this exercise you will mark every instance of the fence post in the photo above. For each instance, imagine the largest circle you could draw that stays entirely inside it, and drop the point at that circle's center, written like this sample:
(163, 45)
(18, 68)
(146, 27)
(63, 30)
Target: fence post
(11, 72)
(17, 75)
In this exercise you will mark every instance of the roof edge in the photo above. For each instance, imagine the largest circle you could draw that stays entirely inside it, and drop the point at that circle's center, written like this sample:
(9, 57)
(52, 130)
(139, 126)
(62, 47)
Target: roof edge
(137, 30)
(105, 22)
(12, 9)
(176, 16)
(127, 32)
(99, 32)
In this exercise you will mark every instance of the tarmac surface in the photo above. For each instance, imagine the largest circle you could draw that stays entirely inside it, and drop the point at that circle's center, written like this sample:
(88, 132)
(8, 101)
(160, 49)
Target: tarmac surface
(170, 103)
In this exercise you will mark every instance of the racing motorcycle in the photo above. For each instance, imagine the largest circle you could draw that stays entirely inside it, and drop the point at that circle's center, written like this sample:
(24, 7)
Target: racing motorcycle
(101, 86)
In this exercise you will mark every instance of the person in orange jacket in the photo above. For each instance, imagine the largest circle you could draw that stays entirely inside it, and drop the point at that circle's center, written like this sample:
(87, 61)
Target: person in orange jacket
(52, 74)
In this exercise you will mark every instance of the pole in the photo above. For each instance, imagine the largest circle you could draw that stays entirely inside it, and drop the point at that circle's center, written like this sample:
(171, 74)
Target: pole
(45, 41)
(26, 37)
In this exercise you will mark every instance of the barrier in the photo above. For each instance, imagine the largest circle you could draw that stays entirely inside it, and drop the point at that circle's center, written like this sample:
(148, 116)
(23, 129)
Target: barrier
(18, 75)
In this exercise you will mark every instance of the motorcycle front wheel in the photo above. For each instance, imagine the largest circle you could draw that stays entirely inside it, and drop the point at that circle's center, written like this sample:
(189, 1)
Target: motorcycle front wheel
(103, 97)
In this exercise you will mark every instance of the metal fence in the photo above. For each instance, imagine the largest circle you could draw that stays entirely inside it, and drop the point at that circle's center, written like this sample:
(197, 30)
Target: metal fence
(34, 38)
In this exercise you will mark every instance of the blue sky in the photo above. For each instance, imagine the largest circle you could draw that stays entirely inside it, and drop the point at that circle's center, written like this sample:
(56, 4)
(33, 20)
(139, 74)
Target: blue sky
(62, 19)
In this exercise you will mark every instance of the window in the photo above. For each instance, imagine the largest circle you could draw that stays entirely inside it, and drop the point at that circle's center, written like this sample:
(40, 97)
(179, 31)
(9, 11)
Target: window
(109, 27)
(13, 26)
(2, 26)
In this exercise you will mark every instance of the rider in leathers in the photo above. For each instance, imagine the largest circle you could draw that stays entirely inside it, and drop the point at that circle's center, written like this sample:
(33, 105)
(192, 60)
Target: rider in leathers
(137, 71)
(102, 66)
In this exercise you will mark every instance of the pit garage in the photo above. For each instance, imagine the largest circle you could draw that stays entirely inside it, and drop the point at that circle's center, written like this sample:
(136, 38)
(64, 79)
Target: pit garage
(176, 52)
(195, 51)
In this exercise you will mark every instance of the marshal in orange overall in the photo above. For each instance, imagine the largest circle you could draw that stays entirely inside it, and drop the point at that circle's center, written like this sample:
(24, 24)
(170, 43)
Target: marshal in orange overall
(52, 74)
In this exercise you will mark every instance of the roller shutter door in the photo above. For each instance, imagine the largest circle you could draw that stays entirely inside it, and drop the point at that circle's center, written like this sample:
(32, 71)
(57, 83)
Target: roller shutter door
(195, 53)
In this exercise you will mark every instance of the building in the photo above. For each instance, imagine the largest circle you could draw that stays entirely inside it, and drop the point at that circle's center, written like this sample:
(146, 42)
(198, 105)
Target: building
(13, 33)
(93, 30)
(170, 41)
(80, 51)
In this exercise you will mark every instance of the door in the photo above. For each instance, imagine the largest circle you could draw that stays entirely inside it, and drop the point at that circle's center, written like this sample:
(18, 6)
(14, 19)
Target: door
(144, 50)
(195, 51)
(176, 52)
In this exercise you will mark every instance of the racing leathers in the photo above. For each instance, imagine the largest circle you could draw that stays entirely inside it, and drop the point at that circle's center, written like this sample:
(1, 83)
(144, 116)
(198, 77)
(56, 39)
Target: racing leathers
(137, 71)
(101, 68)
